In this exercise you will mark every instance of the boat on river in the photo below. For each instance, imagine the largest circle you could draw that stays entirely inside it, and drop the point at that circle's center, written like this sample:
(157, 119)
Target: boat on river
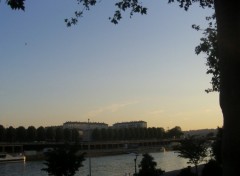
(5, 157)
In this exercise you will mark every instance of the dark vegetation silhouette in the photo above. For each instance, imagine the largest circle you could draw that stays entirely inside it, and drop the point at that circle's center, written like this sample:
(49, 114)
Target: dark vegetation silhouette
(228, 38)
(31, 134)
(214, 166)
(217, 146)
(135, 133)
(186, 172)
(194, 149)
(147, 166)
(208, 46)
(64, 161)
(58, 134)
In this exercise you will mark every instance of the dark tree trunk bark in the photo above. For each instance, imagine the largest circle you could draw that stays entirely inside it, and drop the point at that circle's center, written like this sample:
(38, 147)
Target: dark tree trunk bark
(196, 169)
(228, 25)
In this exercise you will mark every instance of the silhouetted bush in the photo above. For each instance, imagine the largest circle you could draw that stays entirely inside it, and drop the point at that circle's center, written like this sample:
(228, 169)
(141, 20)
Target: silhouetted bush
(217, 146)
(194, 149)
(64, 161)
(148, 167)
(186, 172)
(212, 168)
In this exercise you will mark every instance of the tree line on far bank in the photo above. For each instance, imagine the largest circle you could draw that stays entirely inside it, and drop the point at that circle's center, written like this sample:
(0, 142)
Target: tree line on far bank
(66, 160)
(59, 134)
(32, 134)
(135, 133)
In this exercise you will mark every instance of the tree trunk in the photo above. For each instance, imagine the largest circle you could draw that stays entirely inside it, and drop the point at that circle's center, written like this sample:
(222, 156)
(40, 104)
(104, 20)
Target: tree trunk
(228, 25)
(196, 169)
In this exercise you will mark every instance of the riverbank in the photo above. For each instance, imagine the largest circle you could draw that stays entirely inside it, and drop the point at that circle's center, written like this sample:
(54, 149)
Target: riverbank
(39, 155)
(176, 172)
(116, 165)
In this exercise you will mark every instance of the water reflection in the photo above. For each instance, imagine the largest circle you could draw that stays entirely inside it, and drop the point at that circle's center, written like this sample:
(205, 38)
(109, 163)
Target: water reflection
(119, 165)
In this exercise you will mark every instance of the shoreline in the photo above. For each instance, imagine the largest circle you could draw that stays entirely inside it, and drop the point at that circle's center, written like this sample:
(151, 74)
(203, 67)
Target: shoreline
(176, 172)
(168, 173)
(39, 155)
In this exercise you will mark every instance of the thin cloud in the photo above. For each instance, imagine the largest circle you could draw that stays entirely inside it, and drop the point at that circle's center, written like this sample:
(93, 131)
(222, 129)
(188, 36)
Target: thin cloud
(211, 109)
(156, 112)
(110, 108)
(186, 119)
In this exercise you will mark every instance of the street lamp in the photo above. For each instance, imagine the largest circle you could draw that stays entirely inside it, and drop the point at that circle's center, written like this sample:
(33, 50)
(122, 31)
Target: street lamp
(89, 157)
(135, 162)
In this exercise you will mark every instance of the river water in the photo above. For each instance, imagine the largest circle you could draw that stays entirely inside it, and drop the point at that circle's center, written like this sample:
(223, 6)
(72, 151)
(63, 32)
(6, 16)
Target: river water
(119, 165)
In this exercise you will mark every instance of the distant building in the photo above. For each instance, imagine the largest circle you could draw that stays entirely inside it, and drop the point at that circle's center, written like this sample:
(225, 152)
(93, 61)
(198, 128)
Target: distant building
(200, 132)
(84, 125)
(132, 124)
(85, 128)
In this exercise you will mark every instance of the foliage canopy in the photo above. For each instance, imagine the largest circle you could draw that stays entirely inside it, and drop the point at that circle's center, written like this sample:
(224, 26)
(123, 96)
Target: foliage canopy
(208, 46)
(148, 166)
(194, 149)
(133, 6)
(63, 161)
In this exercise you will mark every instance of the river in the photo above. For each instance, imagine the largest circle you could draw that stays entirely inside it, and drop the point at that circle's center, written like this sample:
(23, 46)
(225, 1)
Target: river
(118, 165)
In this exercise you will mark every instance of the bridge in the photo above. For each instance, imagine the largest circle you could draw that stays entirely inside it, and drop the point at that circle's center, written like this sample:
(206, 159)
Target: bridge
(84, 145)
(92, 146)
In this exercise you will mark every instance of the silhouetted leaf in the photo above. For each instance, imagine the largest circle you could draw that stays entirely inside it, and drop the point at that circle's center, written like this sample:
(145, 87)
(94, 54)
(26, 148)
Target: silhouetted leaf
(16, 4)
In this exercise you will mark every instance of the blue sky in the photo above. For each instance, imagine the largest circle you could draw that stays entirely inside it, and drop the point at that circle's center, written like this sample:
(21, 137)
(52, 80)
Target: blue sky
(144, 68)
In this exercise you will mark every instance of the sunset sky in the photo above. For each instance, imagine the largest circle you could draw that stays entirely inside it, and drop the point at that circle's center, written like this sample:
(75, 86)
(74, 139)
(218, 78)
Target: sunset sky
(144, 68)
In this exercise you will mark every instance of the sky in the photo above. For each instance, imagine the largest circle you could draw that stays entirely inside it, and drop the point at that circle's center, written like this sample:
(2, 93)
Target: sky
(144, 68)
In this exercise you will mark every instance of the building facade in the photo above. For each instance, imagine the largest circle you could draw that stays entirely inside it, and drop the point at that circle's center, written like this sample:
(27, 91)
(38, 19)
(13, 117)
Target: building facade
(84, 125)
